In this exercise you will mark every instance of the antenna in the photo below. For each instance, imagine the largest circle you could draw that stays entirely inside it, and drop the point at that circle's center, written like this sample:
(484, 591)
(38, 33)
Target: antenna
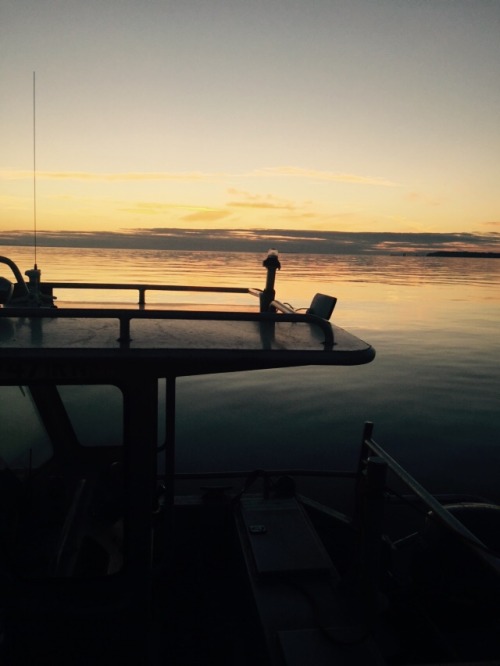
(34, 166)
(33, 273)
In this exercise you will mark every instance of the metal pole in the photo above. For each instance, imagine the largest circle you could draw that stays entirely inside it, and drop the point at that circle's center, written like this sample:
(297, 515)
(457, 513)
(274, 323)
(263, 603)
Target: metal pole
(372, 510)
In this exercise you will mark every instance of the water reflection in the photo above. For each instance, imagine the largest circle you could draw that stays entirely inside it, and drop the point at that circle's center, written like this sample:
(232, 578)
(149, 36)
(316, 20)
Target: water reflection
(241, 268)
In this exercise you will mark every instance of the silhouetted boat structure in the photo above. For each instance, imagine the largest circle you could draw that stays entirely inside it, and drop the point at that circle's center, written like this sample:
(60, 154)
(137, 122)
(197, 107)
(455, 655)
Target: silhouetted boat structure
(108, 555)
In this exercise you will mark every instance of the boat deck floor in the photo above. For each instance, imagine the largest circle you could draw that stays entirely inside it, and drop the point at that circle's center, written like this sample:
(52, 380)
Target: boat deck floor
(219, 598)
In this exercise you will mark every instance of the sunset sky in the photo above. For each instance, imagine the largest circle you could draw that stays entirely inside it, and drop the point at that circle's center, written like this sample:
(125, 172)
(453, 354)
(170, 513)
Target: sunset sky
(326, 115)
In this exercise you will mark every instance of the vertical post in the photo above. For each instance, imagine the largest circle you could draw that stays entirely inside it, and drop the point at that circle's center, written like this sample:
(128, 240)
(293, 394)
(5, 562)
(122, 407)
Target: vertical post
(140, 442)
(169, 470)
(164, 537)
(124, 338)
(367, 431)
(364, 453)
(371, 510)
(272, 263)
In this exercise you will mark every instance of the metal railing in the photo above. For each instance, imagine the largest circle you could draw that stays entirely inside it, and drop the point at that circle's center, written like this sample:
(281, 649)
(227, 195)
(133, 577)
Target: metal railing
(36, 301)
(143, 288)
(373, 466)
(125, 316)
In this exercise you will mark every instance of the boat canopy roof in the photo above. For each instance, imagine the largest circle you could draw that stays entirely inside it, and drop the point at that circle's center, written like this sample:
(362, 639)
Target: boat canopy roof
(39, 341)
(83, 341)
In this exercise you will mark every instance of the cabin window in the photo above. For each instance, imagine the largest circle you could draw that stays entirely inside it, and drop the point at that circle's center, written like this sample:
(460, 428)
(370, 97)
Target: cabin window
(64, 518)
(96, 413)
(24, 442)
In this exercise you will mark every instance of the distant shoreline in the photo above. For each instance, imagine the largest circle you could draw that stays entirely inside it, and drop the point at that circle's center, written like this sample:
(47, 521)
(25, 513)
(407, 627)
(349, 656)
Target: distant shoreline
(472, 255)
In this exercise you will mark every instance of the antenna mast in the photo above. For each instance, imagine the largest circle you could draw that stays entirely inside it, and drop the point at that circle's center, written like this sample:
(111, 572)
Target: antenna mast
(36, 296)
(34, 167)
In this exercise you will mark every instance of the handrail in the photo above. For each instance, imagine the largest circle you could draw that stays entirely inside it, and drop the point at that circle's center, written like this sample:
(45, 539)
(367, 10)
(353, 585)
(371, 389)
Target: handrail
(142, 288)
(441, 513)
(125, 316)
(230, 474)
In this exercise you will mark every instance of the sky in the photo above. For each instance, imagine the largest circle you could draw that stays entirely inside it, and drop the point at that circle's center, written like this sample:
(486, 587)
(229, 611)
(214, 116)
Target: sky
(348, 116)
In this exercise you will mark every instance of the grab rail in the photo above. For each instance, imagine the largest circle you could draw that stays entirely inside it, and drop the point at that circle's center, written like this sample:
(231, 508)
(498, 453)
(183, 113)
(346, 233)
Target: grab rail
(143, 288)
(444, 516)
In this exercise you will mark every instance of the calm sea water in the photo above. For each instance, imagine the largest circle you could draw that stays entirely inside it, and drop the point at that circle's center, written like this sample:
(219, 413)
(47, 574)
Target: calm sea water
(433, 390)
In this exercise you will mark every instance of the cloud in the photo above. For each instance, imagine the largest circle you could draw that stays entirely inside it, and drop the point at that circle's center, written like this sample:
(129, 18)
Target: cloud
(331, 176)
(269, 201)
(108, 176)
(196, 213)
(197, 176)
(158, 208)
(261, 204)
(8, 202)
(417, 197)
(207, 215)
(258, 240)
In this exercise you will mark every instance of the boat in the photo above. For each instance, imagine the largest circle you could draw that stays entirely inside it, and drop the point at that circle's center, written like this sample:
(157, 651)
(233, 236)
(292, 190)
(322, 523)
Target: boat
(109, 555)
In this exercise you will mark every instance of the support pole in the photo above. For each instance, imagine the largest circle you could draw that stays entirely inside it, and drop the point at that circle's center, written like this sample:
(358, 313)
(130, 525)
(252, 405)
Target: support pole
(370, 519)
(140, 442)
